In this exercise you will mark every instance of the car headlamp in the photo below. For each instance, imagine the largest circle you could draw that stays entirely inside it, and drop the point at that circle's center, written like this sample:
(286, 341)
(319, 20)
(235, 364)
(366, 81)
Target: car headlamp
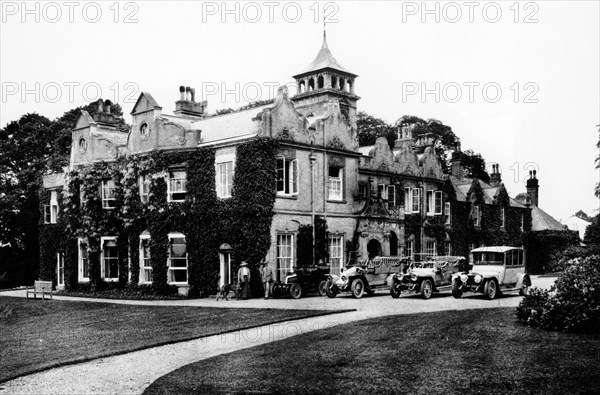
(343, 278)
(464, 278)
(478, 278)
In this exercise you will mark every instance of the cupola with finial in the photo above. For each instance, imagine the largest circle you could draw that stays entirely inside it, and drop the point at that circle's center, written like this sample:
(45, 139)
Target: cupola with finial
(323, 80)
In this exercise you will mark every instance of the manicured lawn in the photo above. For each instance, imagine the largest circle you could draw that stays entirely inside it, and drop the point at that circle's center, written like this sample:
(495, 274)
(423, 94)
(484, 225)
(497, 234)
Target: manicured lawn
(36, 334)
(454, 352)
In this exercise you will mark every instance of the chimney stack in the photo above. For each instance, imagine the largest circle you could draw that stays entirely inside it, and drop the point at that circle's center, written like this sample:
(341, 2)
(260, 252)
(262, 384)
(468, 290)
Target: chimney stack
(533, 188)
(456, 168)
(187, 106)
(495, 176)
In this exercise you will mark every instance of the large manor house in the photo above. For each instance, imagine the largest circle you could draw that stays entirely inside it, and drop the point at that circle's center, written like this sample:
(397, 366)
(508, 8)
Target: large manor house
(374, 200)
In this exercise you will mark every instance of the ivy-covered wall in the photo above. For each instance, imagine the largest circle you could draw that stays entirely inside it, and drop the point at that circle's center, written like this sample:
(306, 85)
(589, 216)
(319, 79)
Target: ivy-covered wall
(242, 221)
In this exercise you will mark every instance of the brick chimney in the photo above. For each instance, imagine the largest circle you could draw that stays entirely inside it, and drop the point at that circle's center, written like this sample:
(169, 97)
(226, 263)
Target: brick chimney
(495, 176)
(187, 106)
(404, 136)
(456, 168)
(103, 116)
(533, 188)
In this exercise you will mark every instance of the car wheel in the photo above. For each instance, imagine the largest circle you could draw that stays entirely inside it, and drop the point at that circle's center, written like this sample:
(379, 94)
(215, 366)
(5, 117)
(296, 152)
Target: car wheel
(322, 290)
(358, 288)
(395, 289)
(426, 288)
(491, 289)
(329, 291)
(456, 291)
(296, 291)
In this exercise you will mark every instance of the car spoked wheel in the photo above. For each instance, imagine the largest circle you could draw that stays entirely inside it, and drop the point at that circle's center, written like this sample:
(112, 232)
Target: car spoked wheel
(456, 291)
(330, 290)
(426, 288)
(322, 290)
(491, 289)
(358, 288)
(296, 291)
(396, 289)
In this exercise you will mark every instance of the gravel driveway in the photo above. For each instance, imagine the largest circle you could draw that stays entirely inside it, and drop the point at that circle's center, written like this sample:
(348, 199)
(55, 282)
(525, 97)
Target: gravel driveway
(131, 373)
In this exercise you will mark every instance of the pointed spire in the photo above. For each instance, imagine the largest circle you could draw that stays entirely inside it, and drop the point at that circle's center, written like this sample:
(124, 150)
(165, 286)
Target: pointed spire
(325, 59)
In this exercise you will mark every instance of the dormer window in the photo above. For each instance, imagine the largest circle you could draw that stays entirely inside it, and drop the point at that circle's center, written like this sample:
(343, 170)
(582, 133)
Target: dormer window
(177, 188)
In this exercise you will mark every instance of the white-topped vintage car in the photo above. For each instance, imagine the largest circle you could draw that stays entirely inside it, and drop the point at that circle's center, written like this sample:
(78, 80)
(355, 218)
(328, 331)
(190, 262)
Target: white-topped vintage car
(366, 276)
(433, 275)
(495, 270)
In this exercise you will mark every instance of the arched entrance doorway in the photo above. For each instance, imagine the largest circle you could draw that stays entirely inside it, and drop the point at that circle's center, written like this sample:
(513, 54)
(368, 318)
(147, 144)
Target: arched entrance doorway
(393, 244)
(373, 248)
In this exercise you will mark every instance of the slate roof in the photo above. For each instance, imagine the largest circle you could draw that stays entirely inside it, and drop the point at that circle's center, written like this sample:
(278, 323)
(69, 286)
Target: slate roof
(540, 220)
(463, 185)
(324, 60)
(223, 127)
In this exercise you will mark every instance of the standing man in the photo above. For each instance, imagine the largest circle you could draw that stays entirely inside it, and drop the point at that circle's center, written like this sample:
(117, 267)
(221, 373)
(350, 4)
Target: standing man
(267, 277)
(244, 280)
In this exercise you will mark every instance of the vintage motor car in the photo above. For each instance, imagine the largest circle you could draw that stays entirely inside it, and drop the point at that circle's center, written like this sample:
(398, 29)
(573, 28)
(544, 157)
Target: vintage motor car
(433, 275)
(301, 281)
(366, 276)
(495, 270)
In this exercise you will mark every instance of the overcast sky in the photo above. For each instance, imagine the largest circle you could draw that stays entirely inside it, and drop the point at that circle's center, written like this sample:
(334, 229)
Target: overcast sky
(518, 82)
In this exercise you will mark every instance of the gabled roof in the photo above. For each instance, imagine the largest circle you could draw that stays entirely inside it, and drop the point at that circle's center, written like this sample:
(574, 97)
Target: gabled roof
(325, 60)
(540, 220)
(463, 185)
(146, 102)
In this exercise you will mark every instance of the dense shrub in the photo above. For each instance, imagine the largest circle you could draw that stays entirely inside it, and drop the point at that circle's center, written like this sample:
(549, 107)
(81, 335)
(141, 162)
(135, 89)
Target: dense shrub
(561, 259)
(573, 303)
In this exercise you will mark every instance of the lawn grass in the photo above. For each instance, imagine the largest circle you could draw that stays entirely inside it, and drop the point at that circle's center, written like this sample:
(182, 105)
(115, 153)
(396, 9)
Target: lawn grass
(36, 334)
(454, 352)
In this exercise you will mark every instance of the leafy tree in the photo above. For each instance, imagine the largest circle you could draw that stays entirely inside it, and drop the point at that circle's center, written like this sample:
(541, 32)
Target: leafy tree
(583, 215)
(30, 147)
(592, 233)
(475, 165)
(370, 128)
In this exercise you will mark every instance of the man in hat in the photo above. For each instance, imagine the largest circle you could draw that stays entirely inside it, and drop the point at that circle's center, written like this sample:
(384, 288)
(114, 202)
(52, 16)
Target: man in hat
(267, 277)
(244, 280)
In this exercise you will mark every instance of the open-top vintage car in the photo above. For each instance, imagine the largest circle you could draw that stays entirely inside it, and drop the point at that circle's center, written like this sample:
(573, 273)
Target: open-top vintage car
(433, 275)
(366, 276)
(301, 281)
(495, 269)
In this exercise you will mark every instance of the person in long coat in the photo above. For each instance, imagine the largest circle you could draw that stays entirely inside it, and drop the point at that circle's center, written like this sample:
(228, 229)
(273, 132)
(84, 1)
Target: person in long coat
(244, 280)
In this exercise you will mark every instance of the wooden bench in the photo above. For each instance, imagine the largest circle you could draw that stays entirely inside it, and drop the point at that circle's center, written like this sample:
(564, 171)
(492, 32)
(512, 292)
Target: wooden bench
(40, 287)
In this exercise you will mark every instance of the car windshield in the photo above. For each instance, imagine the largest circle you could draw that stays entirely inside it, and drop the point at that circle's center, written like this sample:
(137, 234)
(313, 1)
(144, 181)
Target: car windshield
(488, 258)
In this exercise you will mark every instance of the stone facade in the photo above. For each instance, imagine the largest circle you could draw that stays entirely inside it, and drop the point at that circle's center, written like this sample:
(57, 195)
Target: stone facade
(375, 200)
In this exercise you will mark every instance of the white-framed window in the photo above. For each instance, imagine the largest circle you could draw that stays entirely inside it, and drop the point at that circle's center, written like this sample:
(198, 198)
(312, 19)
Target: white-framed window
(502, 217)
(224, 179)
(109, 258)
(108, 194)
(382, 191)
(178, 259)
(336, 183)
(409, 248)
(145, 264)
(412, 200)
(336, 254)
(144, 182)
(51, 210)
(476, 215)
(391, 197)
(287, 176)
(434, 202)
(448, 213)
(83, 262)
(430, 248)
(60, 269)
(285, 254)
(448, 247)
(177, 188)
(522, 222)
